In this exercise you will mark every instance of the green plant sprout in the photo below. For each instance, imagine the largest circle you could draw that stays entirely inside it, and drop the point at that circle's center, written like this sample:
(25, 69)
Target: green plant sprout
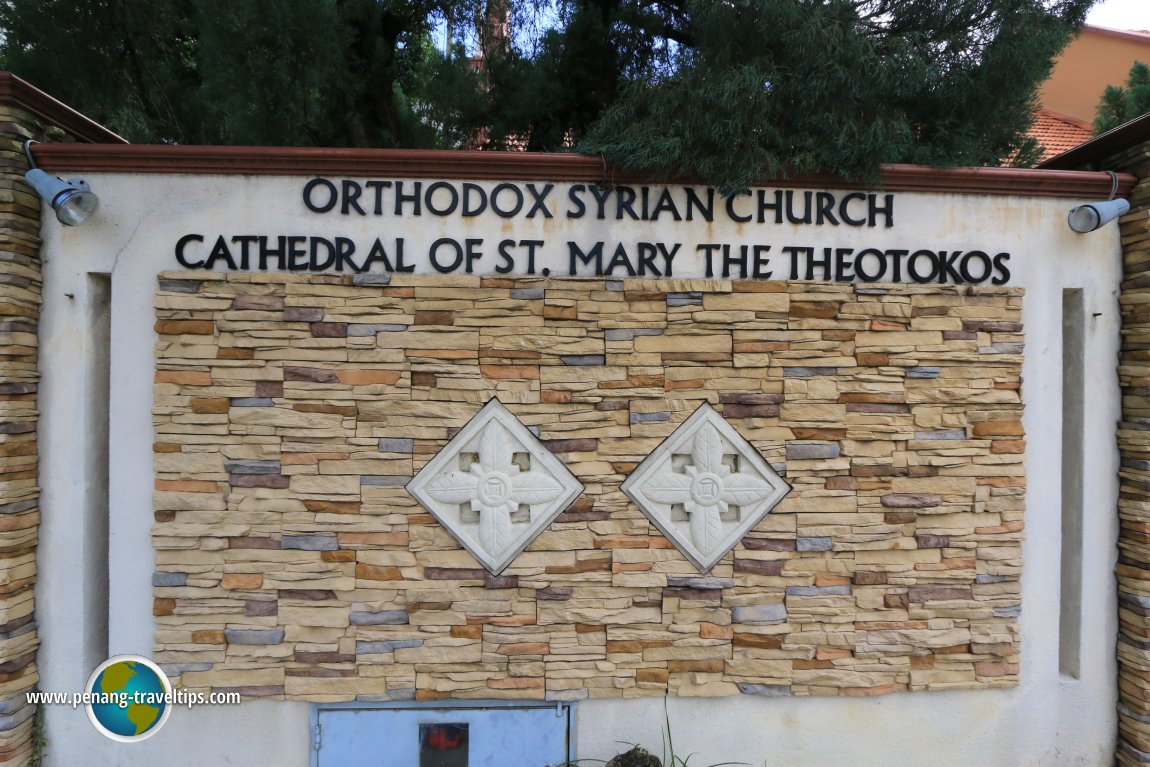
(637, 756)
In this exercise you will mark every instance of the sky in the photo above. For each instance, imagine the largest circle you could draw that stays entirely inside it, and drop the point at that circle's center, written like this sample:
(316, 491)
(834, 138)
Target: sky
(1115, 14)
(1121, 14)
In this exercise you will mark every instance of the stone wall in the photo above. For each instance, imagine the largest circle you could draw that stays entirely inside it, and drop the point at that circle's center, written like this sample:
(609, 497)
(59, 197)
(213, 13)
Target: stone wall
(290, 412)
(20, 290)
(1133, 568)
(25, 113)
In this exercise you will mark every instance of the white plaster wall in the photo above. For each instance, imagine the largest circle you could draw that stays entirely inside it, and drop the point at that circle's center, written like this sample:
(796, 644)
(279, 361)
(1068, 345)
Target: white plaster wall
(1047, 720)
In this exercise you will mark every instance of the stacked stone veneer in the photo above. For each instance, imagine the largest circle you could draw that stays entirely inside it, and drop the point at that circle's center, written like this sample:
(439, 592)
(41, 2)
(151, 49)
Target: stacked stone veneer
(20, 290)
(1133, 567)
(290, 412)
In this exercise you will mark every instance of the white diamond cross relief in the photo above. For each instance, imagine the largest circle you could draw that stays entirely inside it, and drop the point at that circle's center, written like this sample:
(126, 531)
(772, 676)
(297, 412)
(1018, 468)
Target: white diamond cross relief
(495, 487)
(705, 487)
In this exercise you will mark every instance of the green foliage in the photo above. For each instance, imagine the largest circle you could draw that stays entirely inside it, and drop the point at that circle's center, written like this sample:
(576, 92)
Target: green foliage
(278, 72)
(730, 92)
(1121, 104)
(39, 737)
(126, 63)
(265, 70)
(769, 87)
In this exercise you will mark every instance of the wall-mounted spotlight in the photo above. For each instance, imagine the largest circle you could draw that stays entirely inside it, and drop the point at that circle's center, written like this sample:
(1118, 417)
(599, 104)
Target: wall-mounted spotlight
(73, 200)
(1087, 218)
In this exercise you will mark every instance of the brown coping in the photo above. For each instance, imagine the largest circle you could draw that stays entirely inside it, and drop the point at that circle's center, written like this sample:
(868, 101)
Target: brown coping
(17, 92)
(423, 163)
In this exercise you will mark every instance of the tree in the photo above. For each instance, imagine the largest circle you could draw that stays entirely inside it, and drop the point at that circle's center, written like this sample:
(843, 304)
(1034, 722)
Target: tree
(127, 64)
(727, 91)
(757, 88)
(278, 72)
(1121, 104)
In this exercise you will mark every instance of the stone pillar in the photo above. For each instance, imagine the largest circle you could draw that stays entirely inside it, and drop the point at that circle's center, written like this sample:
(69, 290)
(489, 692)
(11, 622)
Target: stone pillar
(25, 113)
(1133, 569)
(1127, 150)
(19, 492)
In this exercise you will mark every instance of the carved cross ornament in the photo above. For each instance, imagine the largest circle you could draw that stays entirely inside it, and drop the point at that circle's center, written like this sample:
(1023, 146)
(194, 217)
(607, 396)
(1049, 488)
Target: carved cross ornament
(705, 487)
(495, 487)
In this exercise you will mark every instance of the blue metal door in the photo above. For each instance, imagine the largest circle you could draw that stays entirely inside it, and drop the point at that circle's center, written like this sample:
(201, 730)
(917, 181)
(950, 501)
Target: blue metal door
(457, 736)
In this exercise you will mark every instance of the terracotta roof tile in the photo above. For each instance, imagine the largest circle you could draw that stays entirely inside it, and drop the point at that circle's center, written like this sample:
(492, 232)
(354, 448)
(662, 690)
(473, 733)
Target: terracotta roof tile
(1058, 133)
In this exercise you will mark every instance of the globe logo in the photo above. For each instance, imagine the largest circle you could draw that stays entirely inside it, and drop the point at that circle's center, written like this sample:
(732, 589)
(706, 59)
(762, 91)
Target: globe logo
(128, 698)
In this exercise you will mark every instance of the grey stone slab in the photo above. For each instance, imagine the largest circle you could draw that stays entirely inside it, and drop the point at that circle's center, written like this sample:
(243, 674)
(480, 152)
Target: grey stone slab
(1001, 349)
(1125, 711)
(1141, 757)
(181, 286)
(583, 360)
(8, 705)
(811, 451)
(383, 618)
(983, 578)
(252, 467)
(813, 544)
(303, 314)
(252, 402)
(693, 582)
(911, 500)
(1013, 611)
(19, 258)
(16, 718)
(401, 693)
(364, 647)
(766, 690)
(615, 286)
(808, 372)
(1141, 601)
(310, 542)
(18, 507)
(371, 278)
(27, 628)
(175, 669)
(818, 591)
(941, 434)
(390, 445)
(923, 372)
(656, 417)
(629, 334)
(162, 579)
(254, 636)
(384, 480)
(774, 612)
(357, 330)
(527, 294)
(685, 299)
